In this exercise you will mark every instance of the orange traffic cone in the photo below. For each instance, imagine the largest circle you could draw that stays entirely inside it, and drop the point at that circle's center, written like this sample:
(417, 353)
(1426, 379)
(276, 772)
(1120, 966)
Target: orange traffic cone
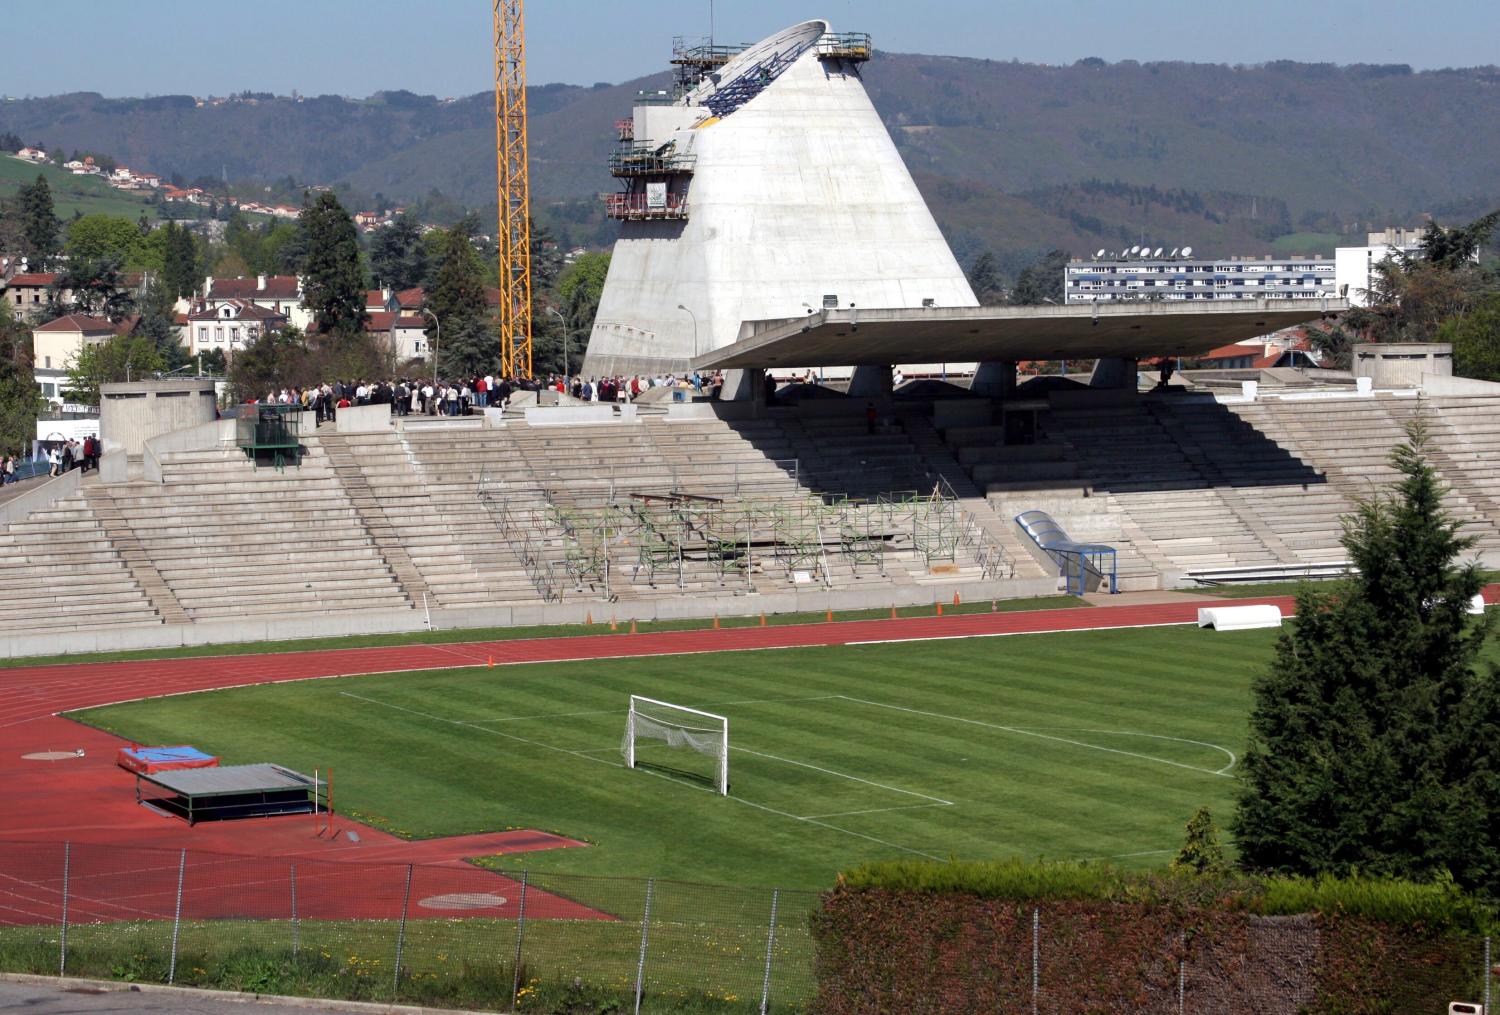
(588, 618)
(939, 608)
(492, 661)
(612, 625)
(762, 618)
(955, 599)
(632, 627)
(828, 618)
(716, 621)
(894, 614)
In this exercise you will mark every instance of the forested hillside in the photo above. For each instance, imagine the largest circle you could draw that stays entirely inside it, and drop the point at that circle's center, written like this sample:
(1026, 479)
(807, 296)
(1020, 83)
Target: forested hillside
(1012, 156)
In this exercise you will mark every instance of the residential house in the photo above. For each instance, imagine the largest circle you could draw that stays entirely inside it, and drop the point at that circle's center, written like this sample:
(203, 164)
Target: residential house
(57, 342)
(229, 325)
(405, 335)
(26, 292)
(281, 294)
(32, 155)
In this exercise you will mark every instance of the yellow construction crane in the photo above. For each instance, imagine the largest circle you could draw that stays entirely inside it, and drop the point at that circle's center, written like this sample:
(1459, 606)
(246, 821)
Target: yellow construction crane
(514, 187)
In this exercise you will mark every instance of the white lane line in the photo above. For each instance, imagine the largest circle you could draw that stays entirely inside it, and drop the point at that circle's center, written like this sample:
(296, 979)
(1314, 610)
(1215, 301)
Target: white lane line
(1040, 736)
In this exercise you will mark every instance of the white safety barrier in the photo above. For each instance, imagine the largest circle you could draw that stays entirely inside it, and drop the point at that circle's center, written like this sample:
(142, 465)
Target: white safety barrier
(1239, 618)
(1476, 606)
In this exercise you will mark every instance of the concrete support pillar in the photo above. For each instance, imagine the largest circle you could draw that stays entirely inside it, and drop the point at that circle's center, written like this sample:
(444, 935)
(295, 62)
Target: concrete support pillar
(1115, 372)
(874, 381)
(745, 386)
(995, 379)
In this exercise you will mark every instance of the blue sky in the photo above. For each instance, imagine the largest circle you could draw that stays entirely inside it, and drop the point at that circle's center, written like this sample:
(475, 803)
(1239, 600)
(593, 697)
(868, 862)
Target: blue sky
(442, 47)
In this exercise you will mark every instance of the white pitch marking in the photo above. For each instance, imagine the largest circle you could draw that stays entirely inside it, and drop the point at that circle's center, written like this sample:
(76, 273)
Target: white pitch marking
(1152, 736)
(877, 810)
(1040, 736)
(842, 775)
(659, 775)
(615, 711)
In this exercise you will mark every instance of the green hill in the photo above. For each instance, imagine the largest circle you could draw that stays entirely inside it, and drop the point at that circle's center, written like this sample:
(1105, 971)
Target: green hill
(1013, 156)
(86, 195)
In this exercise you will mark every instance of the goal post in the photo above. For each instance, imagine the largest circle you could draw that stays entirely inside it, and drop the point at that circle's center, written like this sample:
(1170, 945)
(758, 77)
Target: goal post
(678, 726)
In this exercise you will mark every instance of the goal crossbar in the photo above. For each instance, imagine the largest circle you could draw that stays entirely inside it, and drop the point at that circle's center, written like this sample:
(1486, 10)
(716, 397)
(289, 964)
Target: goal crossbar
(695, 729)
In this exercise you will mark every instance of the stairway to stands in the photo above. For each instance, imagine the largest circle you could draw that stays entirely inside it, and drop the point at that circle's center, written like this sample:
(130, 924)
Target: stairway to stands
(62, 572)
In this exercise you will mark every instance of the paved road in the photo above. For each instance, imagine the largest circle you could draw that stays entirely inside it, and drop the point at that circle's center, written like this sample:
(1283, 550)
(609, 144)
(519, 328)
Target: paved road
(54, 999)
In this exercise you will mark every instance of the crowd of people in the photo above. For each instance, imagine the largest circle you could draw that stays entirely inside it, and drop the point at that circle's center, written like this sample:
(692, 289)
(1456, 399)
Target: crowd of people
(414, 397)
(72, 454)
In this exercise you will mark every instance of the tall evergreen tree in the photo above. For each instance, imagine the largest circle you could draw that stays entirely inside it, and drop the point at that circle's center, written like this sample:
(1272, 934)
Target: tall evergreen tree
(333, 280)
(39, 224)
(1373, 743)
(158, 323)
(398, 258)
(468, 343)
(179, 272)
(1041, 282)
(20, 401)
(984, 279)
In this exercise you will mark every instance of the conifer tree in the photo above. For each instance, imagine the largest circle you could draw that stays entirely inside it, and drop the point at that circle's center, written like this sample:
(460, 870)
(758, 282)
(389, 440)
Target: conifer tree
(39, 224)
(468, 343)
(179, 262)
(333, 278)
(1375, 737)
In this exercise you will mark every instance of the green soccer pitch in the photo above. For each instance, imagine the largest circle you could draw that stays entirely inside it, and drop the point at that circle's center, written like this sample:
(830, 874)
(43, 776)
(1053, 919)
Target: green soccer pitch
(1080, 745)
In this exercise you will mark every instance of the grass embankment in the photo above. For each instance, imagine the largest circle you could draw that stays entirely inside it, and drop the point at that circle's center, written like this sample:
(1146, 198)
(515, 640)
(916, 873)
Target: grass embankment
(601, 627)
(693, 967)
(86, 195)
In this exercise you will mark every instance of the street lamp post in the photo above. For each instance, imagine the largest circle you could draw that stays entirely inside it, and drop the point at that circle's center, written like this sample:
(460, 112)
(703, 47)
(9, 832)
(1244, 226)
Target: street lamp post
(564, 322)
(695, 327)
(437, 338)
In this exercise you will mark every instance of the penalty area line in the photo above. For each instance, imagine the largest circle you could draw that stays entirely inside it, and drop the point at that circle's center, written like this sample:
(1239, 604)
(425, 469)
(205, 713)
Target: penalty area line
(1222, 774)
(588, 757)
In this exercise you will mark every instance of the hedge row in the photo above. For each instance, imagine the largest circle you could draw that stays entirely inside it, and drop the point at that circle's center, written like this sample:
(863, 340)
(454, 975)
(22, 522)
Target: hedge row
(1436, 906)
(960, 938)
(929, 954)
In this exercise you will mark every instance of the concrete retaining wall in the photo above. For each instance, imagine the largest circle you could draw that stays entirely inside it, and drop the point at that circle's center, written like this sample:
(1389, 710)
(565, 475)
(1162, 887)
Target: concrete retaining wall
(565, 415)
(40, 496)
(1445, 384)
(287, 627)
(114, 466)
(363, 419)
(215, 433)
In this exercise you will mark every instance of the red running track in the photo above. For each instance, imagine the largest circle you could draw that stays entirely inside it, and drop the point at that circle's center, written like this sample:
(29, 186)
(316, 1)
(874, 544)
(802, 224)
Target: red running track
(88, 799)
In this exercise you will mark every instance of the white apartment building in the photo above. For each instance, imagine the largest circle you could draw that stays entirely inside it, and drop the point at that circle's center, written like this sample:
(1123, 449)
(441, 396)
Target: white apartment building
(1178, 278)
(1353, 266)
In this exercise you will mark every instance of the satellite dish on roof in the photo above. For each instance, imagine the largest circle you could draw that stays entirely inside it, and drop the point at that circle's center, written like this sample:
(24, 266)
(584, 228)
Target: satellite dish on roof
(1158, 252)
(1134, 250)
(1099, 254)
(1173, 253)
(1187, 251)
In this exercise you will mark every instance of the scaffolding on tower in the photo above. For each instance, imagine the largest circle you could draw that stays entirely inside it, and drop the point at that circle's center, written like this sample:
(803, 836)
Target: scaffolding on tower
(514, 187)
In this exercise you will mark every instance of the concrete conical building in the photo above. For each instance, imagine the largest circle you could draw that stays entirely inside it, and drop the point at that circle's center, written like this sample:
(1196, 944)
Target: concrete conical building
(766, 188)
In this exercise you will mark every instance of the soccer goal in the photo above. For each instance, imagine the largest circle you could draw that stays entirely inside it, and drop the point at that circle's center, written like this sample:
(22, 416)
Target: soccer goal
(678, 726)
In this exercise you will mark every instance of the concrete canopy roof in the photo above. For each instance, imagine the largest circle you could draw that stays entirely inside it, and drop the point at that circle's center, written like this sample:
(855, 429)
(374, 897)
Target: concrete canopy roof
(977, 334)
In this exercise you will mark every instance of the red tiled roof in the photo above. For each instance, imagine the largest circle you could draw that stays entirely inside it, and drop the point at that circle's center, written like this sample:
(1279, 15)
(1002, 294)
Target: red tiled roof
(278, 287)
(33, 278)
(384, 320)
(79, 322)
(413, 297)
(247, 312)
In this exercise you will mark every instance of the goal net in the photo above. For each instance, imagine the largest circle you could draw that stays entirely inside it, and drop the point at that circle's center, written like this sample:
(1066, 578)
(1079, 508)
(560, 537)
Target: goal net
(678, 726)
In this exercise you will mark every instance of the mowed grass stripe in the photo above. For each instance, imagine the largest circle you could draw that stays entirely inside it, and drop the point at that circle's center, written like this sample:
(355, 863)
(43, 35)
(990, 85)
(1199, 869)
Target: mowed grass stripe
(424, 754)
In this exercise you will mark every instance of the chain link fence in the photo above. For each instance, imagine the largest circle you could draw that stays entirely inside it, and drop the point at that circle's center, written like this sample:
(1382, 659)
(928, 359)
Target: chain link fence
(517, 940)
(445, 934)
